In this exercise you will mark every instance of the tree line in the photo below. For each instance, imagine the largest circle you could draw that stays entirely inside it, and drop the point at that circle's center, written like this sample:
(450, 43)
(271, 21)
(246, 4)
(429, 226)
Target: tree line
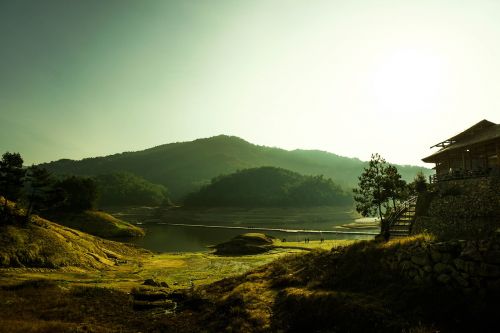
(268, 187)
(36, 190)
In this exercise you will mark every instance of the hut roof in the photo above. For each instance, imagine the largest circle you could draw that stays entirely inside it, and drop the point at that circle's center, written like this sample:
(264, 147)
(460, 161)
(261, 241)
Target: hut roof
(481, 132)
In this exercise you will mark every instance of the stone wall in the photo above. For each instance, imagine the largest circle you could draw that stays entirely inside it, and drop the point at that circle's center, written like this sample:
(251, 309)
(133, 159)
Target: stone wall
(460, 209)
(472, 266)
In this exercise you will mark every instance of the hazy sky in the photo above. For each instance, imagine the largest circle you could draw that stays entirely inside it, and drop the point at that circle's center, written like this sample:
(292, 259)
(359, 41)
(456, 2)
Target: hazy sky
(88, 78)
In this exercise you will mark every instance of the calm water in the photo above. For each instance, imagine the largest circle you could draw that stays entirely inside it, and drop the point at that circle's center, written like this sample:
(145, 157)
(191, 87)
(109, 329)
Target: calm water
(189, 231)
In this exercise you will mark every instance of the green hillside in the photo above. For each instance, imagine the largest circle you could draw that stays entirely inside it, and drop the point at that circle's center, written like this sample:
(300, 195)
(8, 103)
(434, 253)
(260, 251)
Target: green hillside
(127, 189)
(183, 167)
(268, 186)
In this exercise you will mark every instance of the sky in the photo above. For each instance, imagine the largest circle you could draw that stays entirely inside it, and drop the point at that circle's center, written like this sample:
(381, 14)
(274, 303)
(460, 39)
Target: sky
(91, 77)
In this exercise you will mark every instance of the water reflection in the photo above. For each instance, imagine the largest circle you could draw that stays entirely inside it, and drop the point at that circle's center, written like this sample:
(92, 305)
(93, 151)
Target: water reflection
(169, 231)
(178, 238)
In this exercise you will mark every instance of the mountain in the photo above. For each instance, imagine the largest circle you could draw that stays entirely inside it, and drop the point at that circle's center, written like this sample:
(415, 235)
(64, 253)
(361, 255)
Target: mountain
(184, 167)
(268, 186)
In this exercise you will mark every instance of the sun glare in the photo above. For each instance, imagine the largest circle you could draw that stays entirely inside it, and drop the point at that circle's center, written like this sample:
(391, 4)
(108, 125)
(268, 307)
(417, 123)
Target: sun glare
(408, 80)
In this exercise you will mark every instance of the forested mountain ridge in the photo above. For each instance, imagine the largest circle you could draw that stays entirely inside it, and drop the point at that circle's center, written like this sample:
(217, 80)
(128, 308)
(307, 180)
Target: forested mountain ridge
(268, 187)
(184, 167)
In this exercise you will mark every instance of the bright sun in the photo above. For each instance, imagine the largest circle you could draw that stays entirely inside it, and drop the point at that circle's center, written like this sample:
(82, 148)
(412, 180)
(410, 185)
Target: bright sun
(408, 80)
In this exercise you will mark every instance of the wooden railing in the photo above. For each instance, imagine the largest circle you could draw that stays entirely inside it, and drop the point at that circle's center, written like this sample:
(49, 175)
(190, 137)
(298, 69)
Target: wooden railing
(403, 210)
(460, 174)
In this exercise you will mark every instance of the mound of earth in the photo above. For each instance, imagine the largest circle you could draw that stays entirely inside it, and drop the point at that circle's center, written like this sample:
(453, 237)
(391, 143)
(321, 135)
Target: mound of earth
(97, 223)
(249, 243)
(44, 244)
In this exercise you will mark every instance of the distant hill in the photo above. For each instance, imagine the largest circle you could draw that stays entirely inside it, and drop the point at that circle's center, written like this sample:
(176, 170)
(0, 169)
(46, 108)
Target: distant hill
(127, 189)
(183, 167)
(268, 186)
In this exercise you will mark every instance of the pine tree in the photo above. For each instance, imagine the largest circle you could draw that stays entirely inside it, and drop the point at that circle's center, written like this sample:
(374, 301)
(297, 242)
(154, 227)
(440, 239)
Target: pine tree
(372, 194)
(40, 188)
(11, 178)
(395, 187)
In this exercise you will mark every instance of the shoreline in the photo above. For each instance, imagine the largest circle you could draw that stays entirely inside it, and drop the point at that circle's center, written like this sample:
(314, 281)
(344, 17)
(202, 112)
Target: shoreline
(294, 231)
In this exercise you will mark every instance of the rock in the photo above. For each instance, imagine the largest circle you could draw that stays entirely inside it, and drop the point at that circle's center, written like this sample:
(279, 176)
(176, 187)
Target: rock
(460, 265)
(428, 268)
(154, 283)
(442, 268)
(475, 282)
(471, 253)
(445, 247)
(443, 278)
(461, 281)
(470, 267)
(406, 265)
(488, 270)
(420, 259)
(493, 285)
(446, 257)
(492, 257)
(435, 255)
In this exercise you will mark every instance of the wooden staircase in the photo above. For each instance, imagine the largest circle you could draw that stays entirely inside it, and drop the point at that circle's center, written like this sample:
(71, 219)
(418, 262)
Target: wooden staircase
(401, 221)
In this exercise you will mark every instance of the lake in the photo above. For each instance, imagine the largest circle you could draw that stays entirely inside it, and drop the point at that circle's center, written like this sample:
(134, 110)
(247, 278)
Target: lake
(180, 230)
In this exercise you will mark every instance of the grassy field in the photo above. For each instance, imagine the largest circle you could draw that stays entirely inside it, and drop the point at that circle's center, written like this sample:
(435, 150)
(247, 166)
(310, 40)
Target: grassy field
(180, 270)
(71, 299)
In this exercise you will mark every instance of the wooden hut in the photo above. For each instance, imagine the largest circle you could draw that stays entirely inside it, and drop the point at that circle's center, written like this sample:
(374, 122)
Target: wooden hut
(473, 153)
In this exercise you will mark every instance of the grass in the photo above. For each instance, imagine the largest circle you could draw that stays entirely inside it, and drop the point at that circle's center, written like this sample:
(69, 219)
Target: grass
(97, 223)
(44, 244)
(73, 299)
(337, 290)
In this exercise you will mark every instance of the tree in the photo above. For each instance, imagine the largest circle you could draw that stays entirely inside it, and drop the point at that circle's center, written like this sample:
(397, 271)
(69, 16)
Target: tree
(11, 177)
(80, 193)
(40, 188)
(395, 187)
(419, 183)
(372, 193)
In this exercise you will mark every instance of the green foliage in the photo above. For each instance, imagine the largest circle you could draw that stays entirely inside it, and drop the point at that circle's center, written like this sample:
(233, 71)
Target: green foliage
(419, 183)
(11, 176)
(123, 188)
(267, 187)
(80, 193)
(40, 189)
(378, 184)
(396, 188)
(371, 193)
(184, 167)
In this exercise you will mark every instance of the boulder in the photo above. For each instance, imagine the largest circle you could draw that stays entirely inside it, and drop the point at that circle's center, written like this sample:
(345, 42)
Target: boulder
(442, 268)
(488, 270)
(154, 283)
(420, 259)
(443, 278)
